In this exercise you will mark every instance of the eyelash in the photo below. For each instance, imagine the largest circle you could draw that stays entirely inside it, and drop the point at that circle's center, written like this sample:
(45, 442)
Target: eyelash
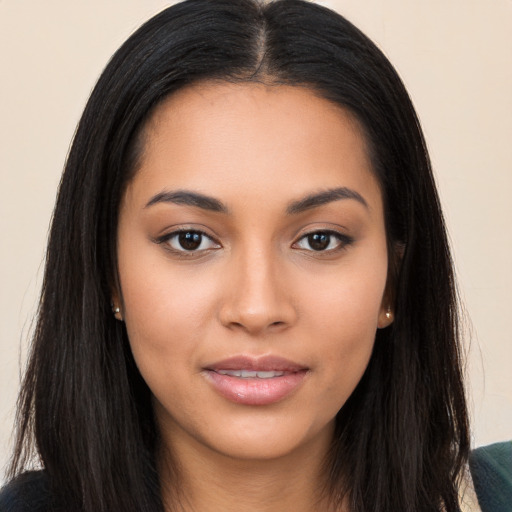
(166, 239)
(343, 241)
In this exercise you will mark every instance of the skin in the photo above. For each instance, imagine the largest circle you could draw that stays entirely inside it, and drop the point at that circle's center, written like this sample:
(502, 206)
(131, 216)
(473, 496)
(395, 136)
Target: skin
(255, 286)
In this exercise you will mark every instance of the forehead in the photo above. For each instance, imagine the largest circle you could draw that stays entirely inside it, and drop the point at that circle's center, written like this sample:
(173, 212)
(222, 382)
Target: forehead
(223, 138)
(251, 109)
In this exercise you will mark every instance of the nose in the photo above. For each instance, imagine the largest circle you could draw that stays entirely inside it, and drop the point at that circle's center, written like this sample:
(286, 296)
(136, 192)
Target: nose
(257, 298)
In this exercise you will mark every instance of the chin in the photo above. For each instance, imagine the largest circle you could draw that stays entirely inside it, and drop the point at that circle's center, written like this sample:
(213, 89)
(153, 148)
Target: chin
(261, 437)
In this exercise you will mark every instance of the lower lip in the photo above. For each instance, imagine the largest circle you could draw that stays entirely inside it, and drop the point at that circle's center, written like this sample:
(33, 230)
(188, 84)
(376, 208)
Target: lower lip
(255, 391)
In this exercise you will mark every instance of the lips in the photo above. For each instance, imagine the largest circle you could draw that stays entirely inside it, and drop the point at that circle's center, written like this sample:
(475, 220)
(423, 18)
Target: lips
(251, 374)
(255, 380)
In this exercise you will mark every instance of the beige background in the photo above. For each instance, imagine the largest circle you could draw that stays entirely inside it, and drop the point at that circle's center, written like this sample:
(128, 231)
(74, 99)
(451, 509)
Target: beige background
(455, 57)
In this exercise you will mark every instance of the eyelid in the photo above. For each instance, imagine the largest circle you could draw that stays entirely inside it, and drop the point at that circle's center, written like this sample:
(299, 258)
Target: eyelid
(344, 240)
(165, 238)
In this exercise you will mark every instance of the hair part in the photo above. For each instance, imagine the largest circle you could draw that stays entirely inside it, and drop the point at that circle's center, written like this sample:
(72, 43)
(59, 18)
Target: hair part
(401, 439)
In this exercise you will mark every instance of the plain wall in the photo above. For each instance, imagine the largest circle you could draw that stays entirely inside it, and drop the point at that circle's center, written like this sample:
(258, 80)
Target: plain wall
(455, 57)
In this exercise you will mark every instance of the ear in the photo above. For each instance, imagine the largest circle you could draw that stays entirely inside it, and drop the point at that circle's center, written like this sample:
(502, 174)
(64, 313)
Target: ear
(386, 311)
(386, 315)
(116, 304)
(387, 307)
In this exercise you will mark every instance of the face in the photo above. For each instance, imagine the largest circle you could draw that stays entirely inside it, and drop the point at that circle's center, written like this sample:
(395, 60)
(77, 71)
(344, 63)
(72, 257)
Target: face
(253, 264)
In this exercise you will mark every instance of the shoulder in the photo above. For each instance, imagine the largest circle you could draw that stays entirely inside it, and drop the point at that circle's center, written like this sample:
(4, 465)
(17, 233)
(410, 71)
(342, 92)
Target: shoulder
(28, 492)
(491, 470)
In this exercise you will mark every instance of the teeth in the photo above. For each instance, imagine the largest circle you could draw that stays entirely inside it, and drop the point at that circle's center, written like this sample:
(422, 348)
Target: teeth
(269, 375)
(232, 373)
(251, 374)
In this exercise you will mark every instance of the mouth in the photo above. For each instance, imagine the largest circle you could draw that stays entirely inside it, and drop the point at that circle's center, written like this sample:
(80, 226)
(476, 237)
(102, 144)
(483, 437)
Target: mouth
(255, 380)
(251, 374)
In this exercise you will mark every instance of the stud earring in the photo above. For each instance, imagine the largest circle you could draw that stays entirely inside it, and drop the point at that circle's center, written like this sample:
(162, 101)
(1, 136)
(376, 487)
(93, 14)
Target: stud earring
(117, 311)
(389, 315)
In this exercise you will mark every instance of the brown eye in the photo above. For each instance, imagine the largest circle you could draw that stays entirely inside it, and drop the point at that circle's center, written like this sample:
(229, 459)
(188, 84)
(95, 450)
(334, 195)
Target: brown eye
(323, 241)
(319, 241)
(189, 241)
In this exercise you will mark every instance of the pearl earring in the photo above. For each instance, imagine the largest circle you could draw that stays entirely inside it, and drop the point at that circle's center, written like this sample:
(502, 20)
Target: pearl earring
(116, 310)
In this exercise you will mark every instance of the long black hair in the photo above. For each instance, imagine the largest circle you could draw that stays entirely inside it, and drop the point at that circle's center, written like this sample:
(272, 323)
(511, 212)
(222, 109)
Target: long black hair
(401, 439)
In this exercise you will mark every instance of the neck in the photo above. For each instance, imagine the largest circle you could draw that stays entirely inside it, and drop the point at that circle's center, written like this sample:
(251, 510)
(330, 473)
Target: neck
(213, 482)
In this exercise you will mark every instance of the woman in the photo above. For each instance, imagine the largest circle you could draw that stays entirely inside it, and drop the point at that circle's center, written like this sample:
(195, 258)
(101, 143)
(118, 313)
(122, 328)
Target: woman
(248, 299)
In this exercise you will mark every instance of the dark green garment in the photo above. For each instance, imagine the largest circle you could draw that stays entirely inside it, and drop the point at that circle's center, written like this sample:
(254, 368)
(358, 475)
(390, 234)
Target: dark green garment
(28, 492)
(491, 469)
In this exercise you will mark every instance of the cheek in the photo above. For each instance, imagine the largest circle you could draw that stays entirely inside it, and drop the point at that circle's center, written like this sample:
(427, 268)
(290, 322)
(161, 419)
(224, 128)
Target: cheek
(349, 300)
(343, 315)
(165, 313)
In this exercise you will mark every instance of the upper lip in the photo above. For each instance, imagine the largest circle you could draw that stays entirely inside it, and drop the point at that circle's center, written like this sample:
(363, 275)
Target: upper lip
(260, 364)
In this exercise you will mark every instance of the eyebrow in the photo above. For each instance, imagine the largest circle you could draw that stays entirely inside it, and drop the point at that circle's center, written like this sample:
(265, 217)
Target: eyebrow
(324, 197)
(188, 198)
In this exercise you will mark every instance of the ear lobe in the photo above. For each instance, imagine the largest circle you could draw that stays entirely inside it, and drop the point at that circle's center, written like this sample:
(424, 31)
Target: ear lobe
(117, 312)
(386, 317)
(115, 305)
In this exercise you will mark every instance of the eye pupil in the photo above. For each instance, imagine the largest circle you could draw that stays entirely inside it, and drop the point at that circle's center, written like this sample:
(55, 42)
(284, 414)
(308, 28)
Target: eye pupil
(189, 240)
(319, 241)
